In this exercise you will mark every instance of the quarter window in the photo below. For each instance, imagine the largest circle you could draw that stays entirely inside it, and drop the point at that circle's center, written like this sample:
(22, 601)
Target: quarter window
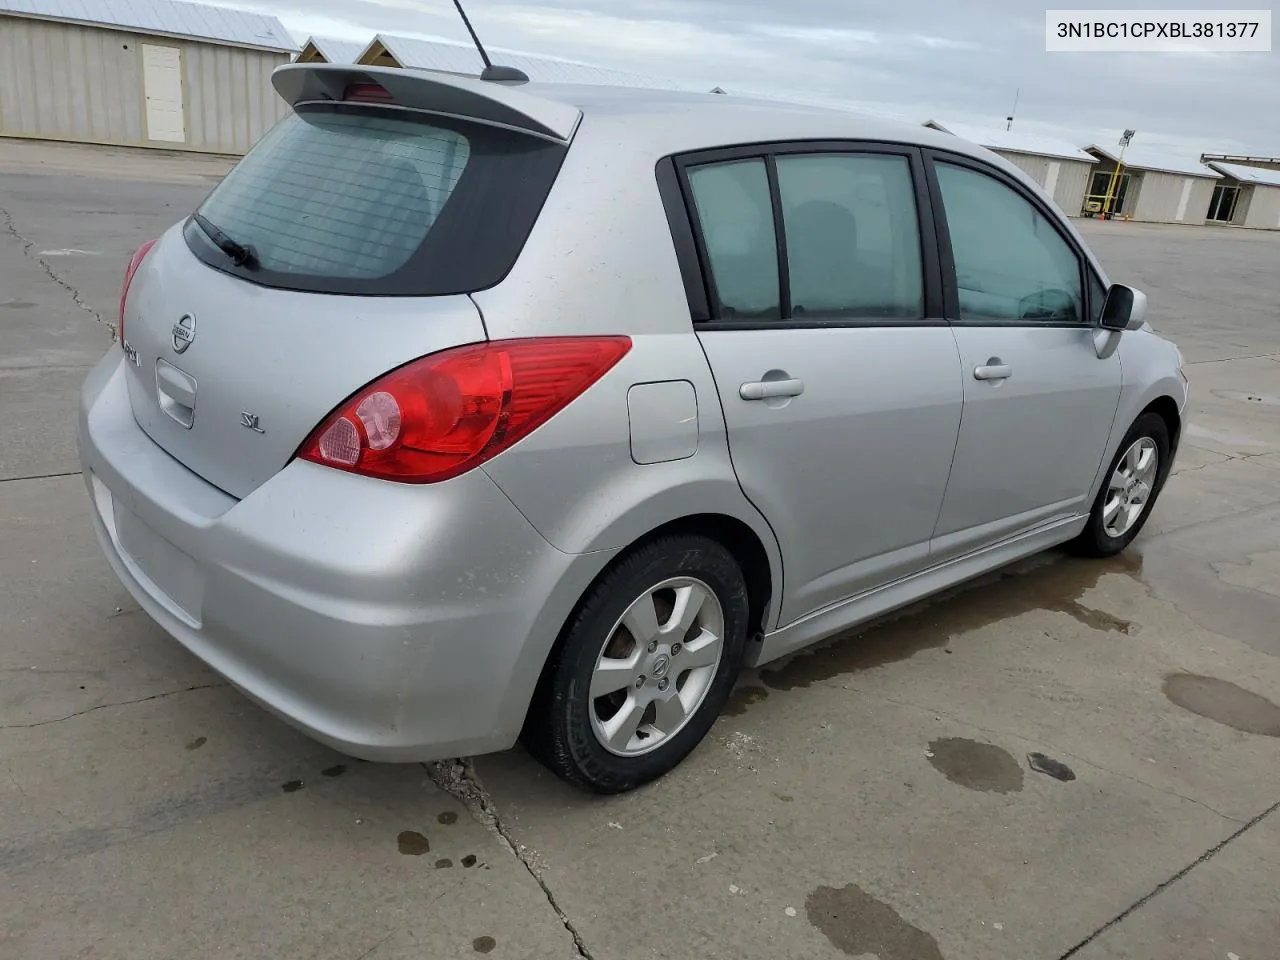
(1012, 265)
(852, 236)
(735, 211)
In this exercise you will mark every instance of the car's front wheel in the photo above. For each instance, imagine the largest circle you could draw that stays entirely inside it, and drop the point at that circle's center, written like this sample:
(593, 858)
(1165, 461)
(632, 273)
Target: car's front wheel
(1128, 494)
(644, 667)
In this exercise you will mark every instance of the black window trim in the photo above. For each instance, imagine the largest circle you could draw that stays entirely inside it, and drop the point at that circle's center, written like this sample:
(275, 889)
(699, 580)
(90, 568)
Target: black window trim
(691, 254)
(951, 293)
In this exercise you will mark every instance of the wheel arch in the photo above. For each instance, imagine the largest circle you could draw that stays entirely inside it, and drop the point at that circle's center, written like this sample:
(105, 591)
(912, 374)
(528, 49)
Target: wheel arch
(759, 567)
(1166, 408)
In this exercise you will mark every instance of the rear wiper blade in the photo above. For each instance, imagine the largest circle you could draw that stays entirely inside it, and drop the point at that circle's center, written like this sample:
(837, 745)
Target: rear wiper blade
(241, 254)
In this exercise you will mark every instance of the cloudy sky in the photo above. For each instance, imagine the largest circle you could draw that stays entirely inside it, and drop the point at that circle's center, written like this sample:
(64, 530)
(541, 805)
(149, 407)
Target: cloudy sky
(962, 60)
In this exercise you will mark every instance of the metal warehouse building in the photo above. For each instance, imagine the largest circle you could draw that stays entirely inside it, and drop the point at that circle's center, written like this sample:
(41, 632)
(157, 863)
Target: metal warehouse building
(387, 50)
(1153, 188)
(329, 50)
(1060, 167)
(141, 73)
(1247, 196)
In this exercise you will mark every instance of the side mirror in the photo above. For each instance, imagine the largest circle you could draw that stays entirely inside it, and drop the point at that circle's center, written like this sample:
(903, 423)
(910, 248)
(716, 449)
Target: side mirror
(1124, 309)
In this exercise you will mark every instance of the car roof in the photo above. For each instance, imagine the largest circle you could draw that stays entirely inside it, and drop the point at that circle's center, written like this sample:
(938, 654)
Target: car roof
(680, 120)
(639, 120)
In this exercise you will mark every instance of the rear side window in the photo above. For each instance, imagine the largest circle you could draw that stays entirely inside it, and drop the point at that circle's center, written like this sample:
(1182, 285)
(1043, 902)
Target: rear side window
(366, 200)
(735, 210)
(852, 236)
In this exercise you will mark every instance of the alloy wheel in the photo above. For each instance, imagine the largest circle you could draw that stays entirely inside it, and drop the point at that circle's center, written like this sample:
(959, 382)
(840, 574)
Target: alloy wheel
(1130, 487)
(656, 666)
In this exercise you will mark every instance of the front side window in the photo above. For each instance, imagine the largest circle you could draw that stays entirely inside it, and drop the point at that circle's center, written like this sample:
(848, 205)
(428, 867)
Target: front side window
(735, 212)
(852, 236)
(1012, 265)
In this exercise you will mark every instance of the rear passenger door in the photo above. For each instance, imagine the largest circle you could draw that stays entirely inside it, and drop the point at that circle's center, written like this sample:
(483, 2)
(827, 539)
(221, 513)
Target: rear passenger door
(818, 304)
(1038, 400)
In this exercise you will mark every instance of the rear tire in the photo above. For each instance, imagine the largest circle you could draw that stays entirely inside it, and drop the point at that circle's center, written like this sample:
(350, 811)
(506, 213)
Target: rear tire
(643, 668)
(1129, 490)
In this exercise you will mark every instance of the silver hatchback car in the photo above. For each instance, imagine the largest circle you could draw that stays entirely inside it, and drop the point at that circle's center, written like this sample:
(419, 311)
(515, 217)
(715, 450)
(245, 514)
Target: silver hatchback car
(462, 412)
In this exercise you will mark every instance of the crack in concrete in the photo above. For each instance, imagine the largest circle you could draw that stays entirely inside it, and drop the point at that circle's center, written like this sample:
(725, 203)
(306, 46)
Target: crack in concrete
(1161, 887)
(1226, 458)
(104, 706)
(1255, 356)
(458, 778)
(371, 950)
(42, 476)
(28, 246)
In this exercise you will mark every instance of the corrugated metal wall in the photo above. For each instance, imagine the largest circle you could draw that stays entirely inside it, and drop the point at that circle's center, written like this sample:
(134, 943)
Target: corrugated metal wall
(1069, 186)
(70, 82)
(1158, 196)
(1264, 207)
(1073, 182)
(1198, 203)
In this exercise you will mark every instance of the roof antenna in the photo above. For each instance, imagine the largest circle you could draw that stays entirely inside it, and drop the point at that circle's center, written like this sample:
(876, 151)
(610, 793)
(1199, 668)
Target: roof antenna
(1009, 119)
(498, 74)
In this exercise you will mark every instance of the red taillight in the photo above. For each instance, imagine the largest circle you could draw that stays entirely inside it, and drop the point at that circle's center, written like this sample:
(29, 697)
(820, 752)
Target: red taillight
(447, 413)
(367, 93)
(134, 263)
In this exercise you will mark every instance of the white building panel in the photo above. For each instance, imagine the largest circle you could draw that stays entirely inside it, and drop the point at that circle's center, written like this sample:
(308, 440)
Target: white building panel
(175, 18)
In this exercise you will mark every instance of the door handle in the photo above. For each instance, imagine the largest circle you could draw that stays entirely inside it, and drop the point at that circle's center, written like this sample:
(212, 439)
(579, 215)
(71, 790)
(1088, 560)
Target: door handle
(993, 369)
(768, 389)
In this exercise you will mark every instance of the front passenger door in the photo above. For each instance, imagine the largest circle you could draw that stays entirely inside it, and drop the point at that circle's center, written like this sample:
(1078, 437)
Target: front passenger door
(1038, 401)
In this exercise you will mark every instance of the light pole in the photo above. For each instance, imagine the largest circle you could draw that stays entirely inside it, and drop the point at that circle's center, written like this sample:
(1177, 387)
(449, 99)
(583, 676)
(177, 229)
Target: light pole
(1115, 174)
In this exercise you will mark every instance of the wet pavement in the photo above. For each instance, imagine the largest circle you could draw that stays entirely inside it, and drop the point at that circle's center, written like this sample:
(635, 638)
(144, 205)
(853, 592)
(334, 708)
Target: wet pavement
(1068, 758)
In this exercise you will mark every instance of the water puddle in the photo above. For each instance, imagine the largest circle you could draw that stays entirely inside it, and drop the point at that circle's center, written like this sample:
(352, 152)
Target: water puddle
(741, 699)
(412, 844)
(1224, 702)
(1049, 582)
(977, 766)
(857, 924)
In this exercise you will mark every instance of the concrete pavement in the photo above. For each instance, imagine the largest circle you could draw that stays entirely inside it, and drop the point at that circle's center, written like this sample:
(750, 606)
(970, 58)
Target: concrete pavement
(874, 797)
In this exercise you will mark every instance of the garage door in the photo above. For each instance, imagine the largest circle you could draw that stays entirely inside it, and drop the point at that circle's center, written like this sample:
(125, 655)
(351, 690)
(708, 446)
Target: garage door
(162, 85)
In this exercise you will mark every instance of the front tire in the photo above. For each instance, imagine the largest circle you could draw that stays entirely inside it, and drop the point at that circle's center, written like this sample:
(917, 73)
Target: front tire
(1133, 482)
(643, 668)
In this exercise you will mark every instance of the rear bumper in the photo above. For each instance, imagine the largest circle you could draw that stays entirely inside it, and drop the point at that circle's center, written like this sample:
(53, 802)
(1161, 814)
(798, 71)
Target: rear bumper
(390, 621)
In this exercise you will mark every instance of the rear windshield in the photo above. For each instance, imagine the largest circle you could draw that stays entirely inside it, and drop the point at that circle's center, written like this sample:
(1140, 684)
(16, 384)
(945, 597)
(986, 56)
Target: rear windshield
(368, 200)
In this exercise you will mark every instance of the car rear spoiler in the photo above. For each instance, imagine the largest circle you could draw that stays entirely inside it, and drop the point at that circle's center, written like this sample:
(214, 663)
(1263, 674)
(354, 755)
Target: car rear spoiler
(432, 92)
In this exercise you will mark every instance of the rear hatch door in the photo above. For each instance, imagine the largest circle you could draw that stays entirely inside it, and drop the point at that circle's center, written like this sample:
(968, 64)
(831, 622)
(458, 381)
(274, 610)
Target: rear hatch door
(343, 246)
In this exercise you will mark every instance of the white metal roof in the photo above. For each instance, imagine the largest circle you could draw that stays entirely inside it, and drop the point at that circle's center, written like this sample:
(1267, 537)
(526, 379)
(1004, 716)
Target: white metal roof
(173, 18)
(333, 49)
(1269, 178)
(1140, 158)
(464, 59)
(1014, 141)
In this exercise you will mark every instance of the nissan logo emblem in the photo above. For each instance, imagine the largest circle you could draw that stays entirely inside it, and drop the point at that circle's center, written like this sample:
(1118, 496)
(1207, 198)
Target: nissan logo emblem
(184, 332)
